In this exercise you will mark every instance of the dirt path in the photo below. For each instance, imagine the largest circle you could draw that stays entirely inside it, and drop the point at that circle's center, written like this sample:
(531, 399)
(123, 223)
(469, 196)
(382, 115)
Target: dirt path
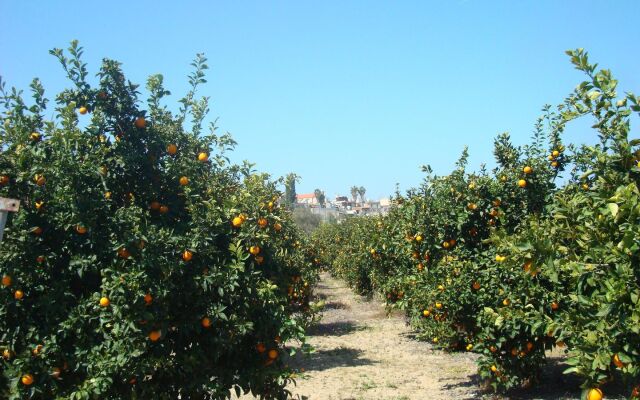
(364, 354)
(361, 354)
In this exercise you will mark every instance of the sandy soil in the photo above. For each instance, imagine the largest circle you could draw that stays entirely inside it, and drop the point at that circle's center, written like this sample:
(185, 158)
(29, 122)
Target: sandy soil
(361, 353)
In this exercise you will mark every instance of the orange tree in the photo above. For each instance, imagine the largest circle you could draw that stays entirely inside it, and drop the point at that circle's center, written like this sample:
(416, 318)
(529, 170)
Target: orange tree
(142, 263)
(508, 265)
(591, 244)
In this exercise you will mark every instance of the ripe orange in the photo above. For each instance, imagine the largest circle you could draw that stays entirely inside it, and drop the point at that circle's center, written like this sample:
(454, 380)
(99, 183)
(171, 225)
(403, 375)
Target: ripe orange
(426, 313)
(522, 183)
(203, 157)
(6, 280)
(154, 205)
(6, 354)
(107, 195)
(585, 186)
(514, 352)
(262, 222)
(37, 350)
(469, 347)
(434, 340)
(472, 206)
(206, 322)
(441, 288)
(476, 285)
(255, 250)
(497, 203)
(40, 259)
(506, 302)
(184, 181)
(420, 267)
(172, 149)
(18, 294)
(529, 346)
(35, 136)
(4, 180)
(438, 305)
(163, 209)
(493, 212)
(154, 336)
(140, 123)
(446, 245)
(277, 226)
(500, 258)
(40, 180)
(104, 302)
(452, 242)
(82, 110)
(554, 164)
(123, 252)
(187, 255)
(148, 298)
(494, 368)
(555, 153)
(27, 379)
(527, 170)
(594, 394)
(81, 229)
(555, 305)
(617, 362)
(273, 354)
(261, 348)
(237, 222)
(493, 349)
(259, 259)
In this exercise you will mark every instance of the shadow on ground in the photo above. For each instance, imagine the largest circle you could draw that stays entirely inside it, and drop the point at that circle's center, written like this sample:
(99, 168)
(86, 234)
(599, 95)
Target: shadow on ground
(335, 329)
(322, 360)
(336, 305)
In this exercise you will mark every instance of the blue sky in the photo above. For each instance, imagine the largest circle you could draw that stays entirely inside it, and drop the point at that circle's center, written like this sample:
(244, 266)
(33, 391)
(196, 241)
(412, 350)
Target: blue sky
(343, 92)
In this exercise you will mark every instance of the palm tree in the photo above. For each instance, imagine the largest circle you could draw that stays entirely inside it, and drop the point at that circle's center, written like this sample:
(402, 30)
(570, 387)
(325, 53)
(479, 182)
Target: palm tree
(354, 194)
(361, 192)
(320, 196)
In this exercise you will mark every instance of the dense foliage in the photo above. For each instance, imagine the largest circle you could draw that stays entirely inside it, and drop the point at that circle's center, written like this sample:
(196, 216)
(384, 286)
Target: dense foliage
(507, 264)
(142, 264)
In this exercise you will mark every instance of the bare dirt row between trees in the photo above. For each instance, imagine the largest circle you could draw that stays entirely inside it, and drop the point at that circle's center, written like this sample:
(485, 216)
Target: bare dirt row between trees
(362, 353)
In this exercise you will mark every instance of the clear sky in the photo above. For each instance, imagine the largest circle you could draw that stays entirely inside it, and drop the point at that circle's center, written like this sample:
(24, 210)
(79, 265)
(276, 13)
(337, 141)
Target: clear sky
(343, 92)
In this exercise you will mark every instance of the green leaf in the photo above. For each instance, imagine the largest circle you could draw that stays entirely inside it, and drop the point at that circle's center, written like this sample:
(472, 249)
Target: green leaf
(613, 208)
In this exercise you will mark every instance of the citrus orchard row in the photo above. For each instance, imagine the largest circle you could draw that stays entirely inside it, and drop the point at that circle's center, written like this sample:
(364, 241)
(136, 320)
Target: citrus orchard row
(506, 263)
(142, 263)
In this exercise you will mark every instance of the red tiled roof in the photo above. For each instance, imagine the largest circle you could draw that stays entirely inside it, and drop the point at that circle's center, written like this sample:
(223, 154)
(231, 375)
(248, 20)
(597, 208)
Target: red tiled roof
(305, 196)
